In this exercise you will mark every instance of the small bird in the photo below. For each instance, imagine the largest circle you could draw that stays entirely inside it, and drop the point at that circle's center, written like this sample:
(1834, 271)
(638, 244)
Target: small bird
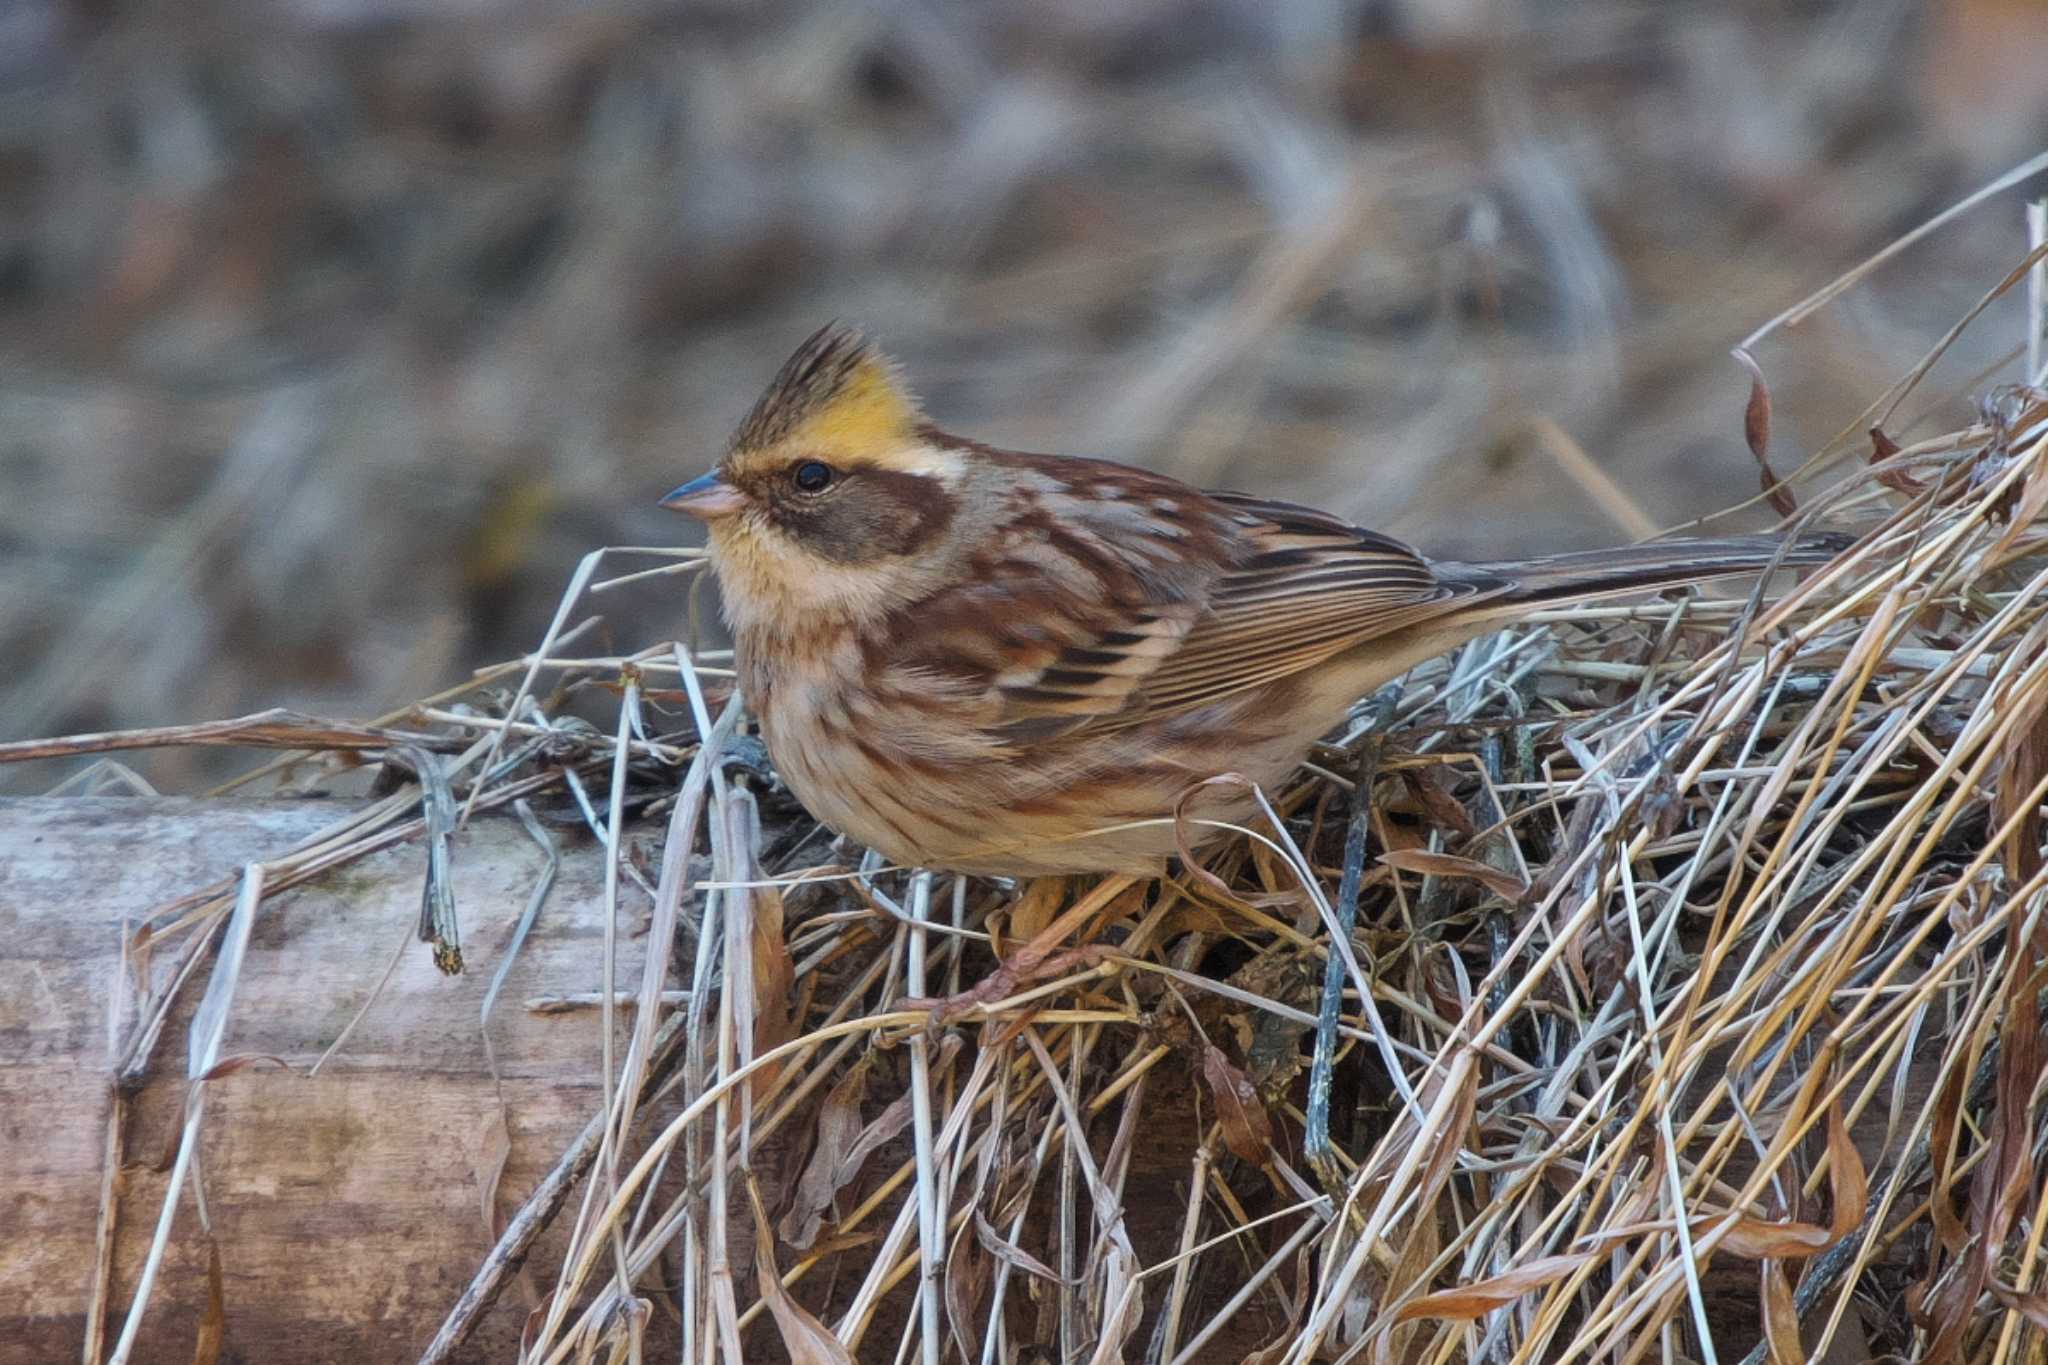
(984, 661)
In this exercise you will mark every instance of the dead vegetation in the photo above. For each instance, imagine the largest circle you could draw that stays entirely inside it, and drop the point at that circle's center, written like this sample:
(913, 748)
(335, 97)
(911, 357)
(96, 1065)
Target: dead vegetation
(1688, 1006)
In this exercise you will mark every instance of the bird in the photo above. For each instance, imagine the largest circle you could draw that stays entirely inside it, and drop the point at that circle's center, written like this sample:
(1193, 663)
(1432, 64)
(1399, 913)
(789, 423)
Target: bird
(989, 662)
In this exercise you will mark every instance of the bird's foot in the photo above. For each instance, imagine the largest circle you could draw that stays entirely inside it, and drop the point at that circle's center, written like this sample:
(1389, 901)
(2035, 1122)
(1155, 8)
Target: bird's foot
(1039, 958)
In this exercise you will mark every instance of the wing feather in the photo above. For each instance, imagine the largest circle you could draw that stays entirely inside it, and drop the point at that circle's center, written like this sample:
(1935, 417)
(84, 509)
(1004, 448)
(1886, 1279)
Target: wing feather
(1328, 587)
(1299, 588)
(1209, 595)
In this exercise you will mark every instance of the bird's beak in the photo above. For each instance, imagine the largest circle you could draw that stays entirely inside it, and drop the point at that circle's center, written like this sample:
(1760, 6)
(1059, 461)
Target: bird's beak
(707, 498)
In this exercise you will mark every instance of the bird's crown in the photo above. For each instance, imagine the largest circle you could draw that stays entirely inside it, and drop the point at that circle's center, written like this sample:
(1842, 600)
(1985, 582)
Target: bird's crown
(837, 393)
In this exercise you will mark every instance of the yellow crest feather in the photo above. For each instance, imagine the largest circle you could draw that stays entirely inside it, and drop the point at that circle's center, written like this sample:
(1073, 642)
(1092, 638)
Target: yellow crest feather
(836, 393)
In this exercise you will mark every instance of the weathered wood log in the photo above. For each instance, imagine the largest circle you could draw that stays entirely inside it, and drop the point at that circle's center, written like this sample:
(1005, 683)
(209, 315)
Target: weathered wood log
(347, 1206)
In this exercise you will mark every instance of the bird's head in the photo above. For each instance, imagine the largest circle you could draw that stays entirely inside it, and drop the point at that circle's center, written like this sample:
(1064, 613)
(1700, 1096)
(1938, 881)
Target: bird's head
(835, 498)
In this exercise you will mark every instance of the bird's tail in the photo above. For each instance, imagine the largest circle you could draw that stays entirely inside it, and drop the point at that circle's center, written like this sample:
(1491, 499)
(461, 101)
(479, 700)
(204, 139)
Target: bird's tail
(1588, 574)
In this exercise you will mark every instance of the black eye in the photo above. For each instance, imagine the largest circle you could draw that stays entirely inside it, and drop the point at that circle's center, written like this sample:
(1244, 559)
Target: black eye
(812, 476)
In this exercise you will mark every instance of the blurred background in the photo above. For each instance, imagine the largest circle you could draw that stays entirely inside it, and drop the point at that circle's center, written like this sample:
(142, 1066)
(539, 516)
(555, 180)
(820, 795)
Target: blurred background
(333, 332)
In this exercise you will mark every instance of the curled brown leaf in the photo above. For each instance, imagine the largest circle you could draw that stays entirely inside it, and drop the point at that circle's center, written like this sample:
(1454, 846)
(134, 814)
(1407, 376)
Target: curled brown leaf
(1465, 1302)
(1754, 1239)
(809, 1342)
(1846, 1176)
(213, 1325)
(1882, 448)
(1247, 1130)
(1450, 865)
(1781, 1320)
(1756, 430)
(887, 1125)
(967, 1284)
(1009, 1252)
(825, 1174)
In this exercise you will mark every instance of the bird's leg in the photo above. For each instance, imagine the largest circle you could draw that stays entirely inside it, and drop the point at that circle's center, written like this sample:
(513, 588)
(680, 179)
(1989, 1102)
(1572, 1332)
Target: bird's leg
(1038, 957)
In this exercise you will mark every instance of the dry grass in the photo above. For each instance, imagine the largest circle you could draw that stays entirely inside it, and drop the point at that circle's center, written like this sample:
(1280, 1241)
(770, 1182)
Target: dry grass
(1692, 1004)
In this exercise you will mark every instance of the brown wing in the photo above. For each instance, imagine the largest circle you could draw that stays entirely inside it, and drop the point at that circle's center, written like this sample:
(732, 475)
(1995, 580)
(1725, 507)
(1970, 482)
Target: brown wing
(1311, 587)
(1207, 595)
(1121, 596)
(1077, 593)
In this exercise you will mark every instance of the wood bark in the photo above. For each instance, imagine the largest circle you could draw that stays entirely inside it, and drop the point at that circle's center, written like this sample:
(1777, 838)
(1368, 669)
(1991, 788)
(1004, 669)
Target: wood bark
(346, 1206)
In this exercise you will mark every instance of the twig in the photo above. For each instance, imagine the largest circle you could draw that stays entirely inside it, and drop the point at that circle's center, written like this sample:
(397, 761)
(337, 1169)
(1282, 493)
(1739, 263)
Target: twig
(277, 728)
(209, 1027)
(1316, 1135)
(931, 1234)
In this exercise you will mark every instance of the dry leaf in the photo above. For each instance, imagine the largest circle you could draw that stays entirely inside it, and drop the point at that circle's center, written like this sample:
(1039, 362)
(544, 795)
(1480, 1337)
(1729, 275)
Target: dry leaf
(825, 1175)
(1882, 448)
(1037, 906)
(2024, 761)
(1247, 1131)
(536, 1318)
(1952, 1310)
(967, 1283)
(1476, 1300)
(1388, 832)
(1753, 1239)
(213, 1325)
(774, 974)
(1846, 1175)
(2004, 1178)
(1184, 838)
(1449, 1140)
(1756, 413)
(1194, 917)
(1450, 865)
(1999, 1184)
(1431, 788)
(2033, 499)
(809, 1341)
(1276, 1351)
(1948, 1103)
(1121, 1288)
(1777, 492)
(774, 970)
(1018, 1259)
(1756, 430)
(1781, 1322)
(887, 1125)
(837, 1242)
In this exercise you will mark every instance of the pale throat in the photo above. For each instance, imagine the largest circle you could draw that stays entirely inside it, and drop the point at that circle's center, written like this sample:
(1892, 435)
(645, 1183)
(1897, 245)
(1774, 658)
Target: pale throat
(777, 592)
